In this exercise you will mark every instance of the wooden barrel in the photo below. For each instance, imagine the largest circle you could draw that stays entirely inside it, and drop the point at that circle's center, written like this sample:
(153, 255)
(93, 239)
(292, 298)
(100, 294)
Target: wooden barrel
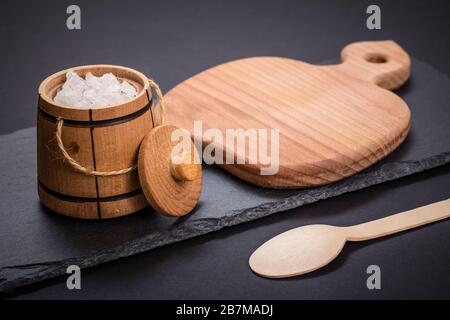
(105, 139)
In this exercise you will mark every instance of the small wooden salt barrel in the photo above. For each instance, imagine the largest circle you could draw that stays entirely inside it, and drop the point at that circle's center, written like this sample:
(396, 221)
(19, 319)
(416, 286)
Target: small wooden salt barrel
(100, 140)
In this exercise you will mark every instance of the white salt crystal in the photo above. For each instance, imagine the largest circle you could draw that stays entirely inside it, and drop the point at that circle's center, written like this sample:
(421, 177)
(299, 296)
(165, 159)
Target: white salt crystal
(92, 81)
(108, 79)
(94, 92)
(128, 90)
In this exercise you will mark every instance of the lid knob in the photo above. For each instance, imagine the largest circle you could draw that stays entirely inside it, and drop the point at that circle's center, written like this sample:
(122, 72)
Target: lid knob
(184, 168)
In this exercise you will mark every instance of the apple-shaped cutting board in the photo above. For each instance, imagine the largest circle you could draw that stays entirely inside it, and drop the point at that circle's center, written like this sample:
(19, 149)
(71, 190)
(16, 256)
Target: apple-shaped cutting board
(333, 120)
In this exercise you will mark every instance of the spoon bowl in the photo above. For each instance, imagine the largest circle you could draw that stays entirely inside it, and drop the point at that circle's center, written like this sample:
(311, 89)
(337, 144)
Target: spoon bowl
(298, 251)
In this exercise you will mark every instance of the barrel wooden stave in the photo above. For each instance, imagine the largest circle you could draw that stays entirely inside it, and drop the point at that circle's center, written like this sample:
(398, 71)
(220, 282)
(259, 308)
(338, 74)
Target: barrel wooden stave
(53, 171)
(116, 147)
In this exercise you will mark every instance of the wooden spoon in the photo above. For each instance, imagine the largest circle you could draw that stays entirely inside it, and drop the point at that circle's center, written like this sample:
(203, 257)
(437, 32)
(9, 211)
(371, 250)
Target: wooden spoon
(308, 248)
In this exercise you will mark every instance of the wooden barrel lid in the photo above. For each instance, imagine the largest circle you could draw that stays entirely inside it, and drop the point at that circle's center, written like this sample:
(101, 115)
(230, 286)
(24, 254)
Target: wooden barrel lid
(170, 176)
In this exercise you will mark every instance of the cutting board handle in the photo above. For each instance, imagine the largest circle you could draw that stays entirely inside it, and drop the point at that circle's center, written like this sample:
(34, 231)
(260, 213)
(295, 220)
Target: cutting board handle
(384, 63)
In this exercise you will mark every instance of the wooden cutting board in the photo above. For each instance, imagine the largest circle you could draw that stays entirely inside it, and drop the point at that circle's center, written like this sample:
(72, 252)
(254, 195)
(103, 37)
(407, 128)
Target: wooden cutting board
(333, 120)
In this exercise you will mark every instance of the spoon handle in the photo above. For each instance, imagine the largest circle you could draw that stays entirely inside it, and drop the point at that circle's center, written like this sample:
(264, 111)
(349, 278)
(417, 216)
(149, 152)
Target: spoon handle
(399, 222)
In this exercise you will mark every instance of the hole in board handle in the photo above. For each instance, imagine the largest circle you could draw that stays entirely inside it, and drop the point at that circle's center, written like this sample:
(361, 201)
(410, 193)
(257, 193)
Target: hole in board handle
(376, 58)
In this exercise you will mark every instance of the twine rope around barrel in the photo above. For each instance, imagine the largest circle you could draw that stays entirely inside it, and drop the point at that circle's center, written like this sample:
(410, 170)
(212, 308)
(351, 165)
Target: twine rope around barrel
(78, 167)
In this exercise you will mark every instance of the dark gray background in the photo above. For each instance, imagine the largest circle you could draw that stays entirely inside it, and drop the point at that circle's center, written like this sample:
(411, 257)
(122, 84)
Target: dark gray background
(172, 40)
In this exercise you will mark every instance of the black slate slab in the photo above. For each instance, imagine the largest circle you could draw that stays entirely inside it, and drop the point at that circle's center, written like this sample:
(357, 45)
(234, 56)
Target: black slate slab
(36, 244)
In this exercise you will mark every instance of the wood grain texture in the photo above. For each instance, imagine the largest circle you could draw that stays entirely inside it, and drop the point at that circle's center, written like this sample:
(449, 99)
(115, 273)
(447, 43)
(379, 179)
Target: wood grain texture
(168, 194)
(81, 210)
(106, 146)
(53, 172)
(308, 248)
(334, 120)
(116, 147)
(119, 208)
